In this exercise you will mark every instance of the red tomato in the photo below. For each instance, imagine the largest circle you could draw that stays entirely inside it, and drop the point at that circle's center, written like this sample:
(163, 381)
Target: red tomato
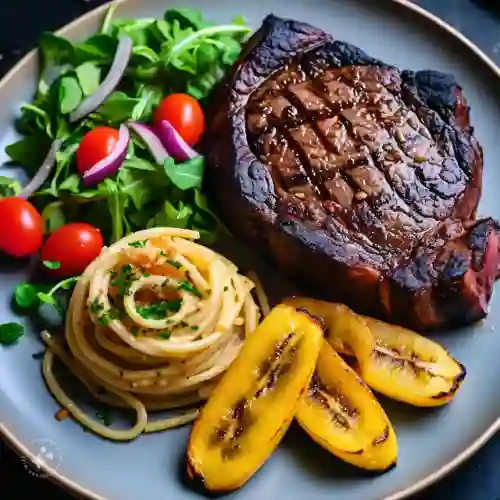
(21, 227)
(74, 246)
(185, 114)
(95, 145)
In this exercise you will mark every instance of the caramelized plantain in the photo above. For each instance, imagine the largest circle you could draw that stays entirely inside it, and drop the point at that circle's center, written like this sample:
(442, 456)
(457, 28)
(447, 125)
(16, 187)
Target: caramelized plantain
(342, 415)
(392, 360)
(410, 368)
(254, 403)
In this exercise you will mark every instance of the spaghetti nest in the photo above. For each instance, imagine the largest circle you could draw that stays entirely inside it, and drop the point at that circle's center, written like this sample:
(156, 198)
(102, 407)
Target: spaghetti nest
(152, 324)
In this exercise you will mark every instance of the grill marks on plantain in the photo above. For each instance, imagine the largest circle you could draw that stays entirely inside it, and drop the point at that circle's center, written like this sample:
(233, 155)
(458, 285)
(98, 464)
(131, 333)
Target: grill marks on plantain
(271, 374)
(342, 411)
(344, 137)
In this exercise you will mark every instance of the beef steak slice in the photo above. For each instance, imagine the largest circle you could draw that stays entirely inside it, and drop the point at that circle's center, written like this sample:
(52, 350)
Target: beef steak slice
(355, 176)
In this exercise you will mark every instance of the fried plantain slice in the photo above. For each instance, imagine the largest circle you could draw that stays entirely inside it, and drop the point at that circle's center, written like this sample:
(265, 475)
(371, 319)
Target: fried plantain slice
(254, 403)
(342, 415)
(392, 360)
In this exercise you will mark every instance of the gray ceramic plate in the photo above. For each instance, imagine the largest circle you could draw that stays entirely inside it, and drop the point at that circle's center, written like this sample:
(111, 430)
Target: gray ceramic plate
(432, 442)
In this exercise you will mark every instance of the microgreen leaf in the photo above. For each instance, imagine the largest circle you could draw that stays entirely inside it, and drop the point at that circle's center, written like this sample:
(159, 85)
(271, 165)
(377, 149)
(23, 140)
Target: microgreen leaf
(25, 296)
(51, 265)
(10, 333)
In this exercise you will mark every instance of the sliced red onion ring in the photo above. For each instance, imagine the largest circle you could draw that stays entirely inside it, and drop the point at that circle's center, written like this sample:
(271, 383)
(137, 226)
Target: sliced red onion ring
(118, 67)
(173, 142)
(152, 141)
(111, 164)
(43, 172)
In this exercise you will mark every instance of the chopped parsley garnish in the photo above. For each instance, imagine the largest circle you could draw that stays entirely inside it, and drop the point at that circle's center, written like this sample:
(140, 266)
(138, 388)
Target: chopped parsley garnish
(138, 243)
(226, 288)
(96, 307)
(163, 254)
(146, 275)
(166, 334)
(103, 316)
(174, 263)
(11, 333)
(185, 285)
(51, 265)
(135, 331)
(159, 310)
(194, 328)
(124, 280)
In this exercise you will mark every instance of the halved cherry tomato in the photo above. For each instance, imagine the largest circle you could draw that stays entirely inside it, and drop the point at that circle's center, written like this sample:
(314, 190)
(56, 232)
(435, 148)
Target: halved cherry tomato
(21, 227)
(95, 146)
(74, 246)
(185, 114)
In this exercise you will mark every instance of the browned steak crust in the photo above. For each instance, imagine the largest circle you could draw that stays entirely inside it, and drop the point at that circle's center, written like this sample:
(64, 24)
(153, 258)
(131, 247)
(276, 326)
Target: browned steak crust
(357, 177)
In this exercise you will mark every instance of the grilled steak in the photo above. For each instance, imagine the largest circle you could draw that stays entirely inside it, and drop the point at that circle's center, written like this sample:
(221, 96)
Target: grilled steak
(355, 176)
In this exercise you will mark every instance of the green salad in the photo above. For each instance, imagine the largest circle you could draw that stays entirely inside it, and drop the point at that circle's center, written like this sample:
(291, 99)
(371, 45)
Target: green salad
(181, 52)
(109, 143)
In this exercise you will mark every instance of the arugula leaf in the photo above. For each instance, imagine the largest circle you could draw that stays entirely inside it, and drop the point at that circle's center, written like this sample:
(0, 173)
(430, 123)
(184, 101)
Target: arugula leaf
(71, 184)
(185, 175)
(89, 77)
(10, 333)
(55, 50)
(30, 151)
(187, 18)
(145, 52)
(9, 186)
(117, 108)
(53, 216)
(139, 164)
(206, 56)
(40, 117)
(70, 94)
(99, 48)
(171, 216)
(136, 29)
(139, 185)
(25, 295)
(116, 206)
(64, 158)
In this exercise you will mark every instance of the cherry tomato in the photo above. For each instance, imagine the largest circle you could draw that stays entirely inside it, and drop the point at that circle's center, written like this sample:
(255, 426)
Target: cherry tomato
(74, 246)
(185, 114)
(95, 145)
(21, 227)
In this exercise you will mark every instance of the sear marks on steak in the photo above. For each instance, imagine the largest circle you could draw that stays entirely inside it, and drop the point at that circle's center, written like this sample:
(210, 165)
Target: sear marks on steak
(357, 177)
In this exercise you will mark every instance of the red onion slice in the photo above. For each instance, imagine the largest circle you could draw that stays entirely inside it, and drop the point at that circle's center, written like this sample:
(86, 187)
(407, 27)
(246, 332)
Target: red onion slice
(173, 142)
(118, 67)
(152, 141)
(43, 172)
(111, 164)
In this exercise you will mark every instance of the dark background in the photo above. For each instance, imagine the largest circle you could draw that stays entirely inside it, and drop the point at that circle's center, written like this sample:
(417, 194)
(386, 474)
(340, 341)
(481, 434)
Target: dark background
(21, 23)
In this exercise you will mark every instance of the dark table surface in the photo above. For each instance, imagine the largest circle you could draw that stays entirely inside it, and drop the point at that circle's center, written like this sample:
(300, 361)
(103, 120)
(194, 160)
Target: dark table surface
(20, 25)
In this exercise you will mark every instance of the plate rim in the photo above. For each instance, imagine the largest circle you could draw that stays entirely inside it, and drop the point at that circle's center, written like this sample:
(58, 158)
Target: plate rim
(83, 492)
